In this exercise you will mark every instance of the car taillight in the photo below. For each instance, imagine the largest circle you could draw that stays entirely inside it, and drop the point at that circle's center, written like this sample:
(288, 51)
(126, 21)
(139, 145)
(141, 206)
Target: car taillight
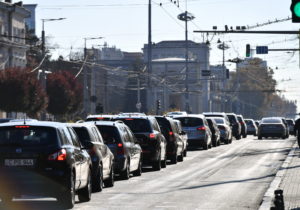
(60, 155)
(171, 133)
(202, 128)
(152, 136)
(120, 150)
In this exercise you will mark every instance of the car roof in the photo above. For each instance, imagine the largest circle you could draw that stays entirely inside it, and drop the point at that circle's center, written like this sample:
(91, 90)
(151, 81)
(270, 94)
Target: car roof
(78, 125)
(107, 123)
(34, 123)
(145, 117)
(190, 115)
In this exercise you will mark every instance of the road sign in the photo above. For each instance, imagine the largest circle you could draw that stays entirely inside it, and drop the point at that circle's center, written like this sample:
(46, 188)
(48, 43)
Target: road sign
(205, 73)
(262, 50)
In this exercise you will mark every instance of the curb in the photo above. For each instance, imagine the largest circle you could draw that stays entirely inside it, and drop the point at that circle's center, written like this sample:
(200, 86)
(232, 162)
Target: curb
(267, 201)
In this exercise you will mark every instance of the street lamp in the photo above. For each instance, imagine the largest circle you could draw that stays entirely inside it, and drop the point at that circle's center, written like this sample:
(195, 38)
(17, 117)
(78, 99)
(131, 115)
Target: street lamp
(43, 80)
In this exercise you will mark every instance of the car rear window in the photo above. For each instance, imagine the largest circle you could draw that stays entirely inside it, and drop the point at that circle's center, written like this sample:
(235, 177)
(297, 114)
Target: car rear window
(28, 136)
(109, 133)
(232, 119)
(137, 125)
(249, 122)
(271, 121)
(83, 134)
(164, 123)
(190, 121)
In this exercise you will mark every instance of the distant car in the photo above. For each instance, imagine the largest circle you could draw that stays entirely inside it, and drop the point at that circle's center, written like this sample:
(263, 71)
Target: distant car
(102, 117)
(197, 129)
(175, 145)
(271, 127)
(125, 147)
(45, 159)
(149, 136)
(291, 124)
(225, 129)
(131, 114)
(217, 114)
(215, 131)
(251, 127)
(176, 113)
(102, 158)
(287, 132)
(243, 125)
(236, 126)
(183, 136)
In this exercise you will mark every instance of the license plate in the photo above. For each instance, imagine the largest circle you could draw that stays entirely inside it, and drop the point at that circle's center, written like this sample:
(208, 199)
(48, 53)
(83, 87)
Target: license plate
(19, 162)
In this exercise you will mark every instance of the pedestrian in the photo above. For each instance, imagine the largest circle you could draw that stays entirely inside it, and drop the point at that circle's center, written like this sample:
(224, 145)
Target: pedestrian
(297, 130)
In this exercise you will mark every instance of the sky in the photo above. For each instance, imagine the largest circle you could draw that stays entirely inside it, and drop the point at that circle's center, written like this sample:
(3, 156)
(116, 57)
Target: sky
(124, 24)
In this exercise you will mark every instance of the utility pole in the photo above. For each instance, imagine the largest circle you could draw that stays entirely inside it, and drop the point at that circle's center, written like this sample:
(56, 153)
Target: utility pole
(149, 63)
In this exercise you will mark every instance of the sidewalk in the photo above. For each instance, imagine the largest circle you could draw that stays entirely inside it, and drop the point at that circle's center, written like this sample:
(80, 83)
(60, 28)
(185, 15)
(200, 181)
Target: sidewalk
(290, 183)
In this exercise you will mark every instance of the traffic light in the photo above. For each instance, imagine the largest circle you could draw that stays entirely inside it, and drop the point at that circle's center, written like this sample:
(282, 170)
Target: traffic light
(295, 9)
(247, 50)
(158, 104)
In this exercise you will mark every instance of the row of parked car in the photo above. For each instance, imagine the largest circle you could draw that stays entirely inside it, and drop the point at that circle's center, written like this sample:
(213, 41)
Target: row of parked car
(64, 159)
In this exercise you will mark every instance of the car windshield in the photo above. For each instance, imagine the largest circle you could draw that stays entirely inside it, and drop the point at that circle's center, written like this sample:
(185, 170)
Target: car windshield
(190, 121)
(137, 125)
(28, 135)
(110, 134)
(268, 120)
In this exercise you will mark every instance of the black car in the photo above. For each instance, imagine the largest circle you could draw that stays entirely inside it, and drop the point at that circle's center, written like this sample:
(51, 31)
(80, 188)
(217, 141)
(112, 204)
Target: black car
(123, 144)
(175, 145)
(183, 136)
(271, 127)
(216, 136)
(43, 158)
(291, 124)
(235, 124)
(149, 136)
(243, 125)
(102, 158)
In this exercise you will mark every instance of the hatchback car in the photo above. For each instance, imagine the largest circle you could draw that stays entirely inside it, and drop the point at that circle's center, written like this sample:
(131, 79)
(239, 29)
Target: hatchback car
(251, 127)
(123, 144)
(215, 131)
(243, 125)
(175, 145)
(102, 158)
(43, 158)
(271, 127)
(225, 129)
(197, 129)
(149, 136)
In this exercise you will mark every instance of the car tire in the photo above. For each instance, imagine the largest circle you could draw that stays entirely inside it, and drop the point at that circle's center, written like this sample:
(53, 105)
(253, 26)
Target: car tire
(283, 137)
(126, 173)
(98, 181)
(164, 162)
(238, 137)
(85, 194)
(245, 136)
(259, 137)
(180, 157)
(138, 172)
(67, 197)
(174, 159)
(205, 146)
(110, 182)
(185, 152)
(156, 165)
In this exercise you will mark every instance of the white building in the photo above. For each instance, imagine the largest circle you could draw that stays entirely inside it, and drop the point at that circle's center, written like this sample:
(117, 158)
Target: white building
(12, 34)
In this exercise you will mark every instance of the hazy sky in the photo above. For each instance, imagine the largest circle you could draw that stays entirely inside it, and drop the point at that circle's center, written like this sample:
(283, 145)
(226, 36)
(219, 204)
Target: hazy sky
(124, 24)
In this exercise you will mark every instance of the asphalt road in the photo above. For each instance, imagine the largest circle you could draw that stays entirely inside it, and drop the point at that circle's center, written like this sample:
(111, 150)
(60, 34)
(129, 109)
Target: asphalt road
(233, 176)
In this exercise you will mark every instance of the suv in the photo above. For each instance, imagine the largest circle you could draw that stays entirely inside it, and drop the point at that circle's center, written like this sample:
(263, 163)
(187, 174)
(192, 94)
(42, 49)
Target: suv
(235, 124)
(149, 136)
(102, 158)
(197, 129)
(123, 144)
(243, 125)
(43, 158)
(175, 144)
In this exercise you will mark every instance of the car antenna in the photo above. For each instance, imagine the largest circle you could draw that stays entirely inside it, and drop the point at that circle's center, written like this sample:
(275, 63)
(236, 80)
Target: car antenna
(25, 119)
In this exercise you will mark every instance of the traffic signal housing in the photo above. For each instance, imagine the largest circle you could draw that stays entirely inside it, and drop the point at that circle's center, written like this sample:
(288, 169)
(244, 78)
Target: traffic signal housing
(158, 104)
(295, 9)
(248, 50)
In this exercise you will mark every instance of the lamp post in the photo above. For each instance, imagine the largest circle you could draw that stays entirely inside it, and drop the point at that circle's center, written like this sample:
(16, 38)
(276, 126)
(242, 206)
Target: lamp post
(85, 86)
(43, 79)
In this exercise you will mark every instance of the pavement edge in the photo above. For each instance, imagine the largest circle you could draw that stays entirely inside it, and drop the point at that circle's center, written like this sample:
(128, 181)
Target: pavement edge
(268, 197)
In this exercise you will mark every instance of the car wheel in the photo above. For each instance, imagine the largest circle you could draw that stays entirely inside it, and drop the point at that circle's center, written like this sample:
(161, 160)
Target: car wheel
(67, 197)
(110, 182)
(283, 137)
(245, 136)
(259, 137)
(205, 146)
(98, 180)
(174, 159)
(185, 153)
(156, 165)
(138, 172)
(85, 194)
(238, 137)
(180, 157)
(126, 173)
(164, 162)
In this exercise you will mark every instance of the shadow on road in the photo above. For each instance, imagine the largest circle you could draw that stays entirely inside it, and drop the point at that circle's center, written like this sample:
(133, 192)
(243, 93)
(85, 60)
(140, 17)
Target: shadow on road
(31, 205)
